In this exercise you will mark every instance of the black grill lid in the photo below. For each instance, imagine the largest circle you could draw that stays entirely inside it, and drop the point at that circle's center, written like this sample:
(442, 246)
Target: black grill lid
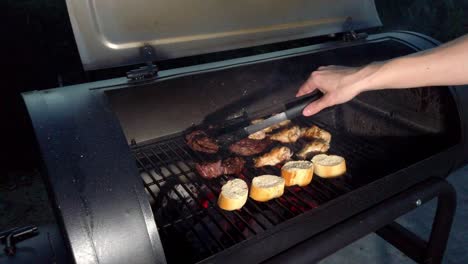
(111, 33)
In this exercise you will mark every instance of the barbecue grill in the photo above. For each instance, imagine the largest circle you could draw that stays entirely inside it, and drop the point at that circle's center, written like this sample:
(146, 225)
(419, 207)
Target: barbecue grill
(123, 181)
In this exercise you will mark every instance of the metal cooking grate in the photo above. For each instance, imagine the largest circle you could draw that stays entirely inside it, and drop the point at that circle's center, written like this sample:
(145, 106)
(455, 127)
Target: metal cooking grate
(184, 203)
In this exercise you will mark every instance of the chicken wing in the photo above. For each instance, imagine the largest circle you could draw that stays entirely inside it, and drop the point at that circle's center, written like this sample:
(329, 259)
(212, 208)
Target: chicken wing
(275, 156)
(316, 132)
(262, 134)
(287, 135)
(316, 146)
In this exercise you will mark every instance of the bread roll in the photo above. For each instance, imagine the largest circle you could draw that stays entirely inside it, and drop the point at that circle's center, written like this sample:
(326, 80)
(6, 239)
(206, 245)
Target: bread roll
(297, 172)
(327, 166)
(233, 195)
(266, 187)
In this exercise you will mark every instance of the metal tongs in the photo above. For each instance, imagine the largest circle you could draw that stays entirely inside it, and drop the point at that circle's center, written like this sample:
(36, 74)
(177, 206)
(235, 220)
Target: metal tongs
(236, 131)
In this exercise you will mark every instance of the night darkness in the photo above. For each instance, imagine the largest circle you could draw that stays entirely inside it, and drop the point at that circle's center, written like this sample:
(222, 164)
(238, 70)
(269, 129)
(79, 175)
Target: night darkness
(40, 53)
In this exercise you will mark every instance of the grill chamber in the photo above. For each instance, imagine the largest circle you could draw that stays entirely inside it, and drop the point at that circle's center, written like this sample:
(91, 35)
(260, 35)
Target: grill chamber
(98, 191)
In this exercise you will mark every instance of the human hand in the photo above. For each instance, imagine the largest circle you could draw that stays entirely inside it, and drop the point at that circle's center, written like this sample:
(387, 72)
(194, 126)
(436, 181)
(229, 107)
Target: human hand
(338, 84)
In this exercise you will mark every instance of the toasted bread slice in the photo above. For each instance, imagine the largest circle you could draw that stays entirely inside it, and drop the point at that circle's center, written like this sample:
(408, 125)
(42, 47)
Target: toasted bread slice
(297, 172)
(233, 195)
(266, 187)
(329, 166)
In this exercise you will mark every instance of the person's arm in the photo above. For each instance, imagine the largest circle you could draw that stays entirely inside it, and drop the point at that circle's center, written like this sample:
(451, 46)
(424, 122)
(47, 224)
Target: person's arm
(444, 65)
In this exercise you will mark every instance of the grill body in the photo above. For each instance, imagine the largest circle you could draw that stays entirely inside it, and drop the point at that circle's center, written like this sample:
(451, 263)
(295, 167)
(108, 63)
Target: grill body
(90, 136)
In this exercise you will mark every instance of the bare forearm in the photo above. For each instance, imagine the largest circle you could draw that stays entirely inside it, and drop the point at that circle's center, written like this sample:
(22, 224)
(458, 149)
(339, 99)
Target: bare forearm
(444, 65)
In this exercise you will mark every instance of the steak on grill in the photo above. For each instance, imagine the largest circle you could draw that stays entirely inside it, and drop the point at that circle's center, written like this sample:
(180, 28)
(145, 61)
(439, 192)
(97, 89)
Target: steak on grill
(217, 168)
(200, 141)
(233, 165)
(249, 147)
(209, 170)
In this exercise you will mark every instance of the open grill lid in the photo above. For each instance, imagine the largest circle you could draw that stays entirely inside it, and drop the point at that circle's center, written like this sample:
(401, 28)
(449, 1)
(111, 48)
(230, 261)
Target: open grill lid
(111, 33)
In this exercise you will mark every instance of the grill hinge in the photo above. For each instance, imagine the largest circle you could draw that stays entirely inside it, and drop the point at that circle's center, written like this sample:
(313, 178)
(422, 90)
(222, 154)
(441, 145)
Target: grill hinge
(149, 70)
(349, 33)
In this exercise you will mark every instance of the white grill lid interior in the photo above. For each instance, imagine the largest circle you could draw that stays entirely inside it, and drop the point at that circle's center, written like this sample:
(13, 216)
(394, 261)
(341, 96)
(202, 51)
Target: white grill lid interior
(111, 33)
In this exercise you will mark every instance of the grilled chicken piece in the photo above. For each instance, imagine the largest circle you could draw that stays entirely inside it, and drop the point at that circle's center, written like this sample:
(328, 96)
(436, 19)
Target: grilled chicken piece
(280, 125)
(316, 132)
(287, 135)
(316, 146)
(275, 156)
(260, 134)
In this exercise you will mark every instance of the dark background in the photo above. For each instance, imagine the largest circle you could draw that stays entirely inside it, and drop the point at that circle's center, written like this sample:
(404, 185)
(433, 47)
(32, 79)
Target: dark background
(40, 53)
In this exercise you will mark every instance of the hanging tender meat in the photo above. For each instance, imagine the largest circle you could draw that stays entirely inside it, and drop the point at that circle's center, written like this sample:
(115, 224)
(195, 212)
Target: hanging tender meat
(275, 156)
(210, 170)
(249, 147)
(233, 165)
(217, 168)
(199, 141)
(316, 146)
(287, 135)
(316, 132)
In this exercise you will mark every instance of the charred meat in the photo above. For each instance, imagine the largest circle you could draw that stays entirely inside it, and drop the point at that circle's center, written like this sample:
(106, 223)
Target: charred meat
(199, 141)
(209, 170)
(275, 156)
(233, 165)
(214, 169)
(249, 147)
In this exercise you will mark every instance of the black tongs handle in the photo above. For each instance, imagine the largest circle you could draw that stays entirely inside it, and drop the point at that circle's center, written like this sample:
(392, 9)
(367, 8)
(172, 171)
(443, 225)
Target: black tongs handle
(294, 109)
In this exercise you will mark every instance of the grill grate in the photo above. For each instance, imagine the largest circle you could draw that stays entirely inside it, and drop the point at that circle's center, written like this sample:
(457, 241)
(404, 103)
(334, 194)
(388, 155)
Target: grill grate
(184, 203)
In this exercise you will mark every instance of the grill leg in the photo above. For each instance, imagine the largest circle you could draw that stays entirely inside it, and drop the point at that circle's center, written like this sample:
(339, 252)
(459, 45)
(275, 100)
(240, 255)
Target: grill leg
(416, 248)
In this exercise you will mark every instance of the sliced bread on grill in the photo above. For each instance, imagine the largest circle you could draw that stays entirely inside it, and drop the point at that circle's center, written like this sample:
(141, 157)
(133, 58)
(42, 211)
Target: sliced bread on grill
(233, 195)
(266, 187)
(329, 166)
(297, 172)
